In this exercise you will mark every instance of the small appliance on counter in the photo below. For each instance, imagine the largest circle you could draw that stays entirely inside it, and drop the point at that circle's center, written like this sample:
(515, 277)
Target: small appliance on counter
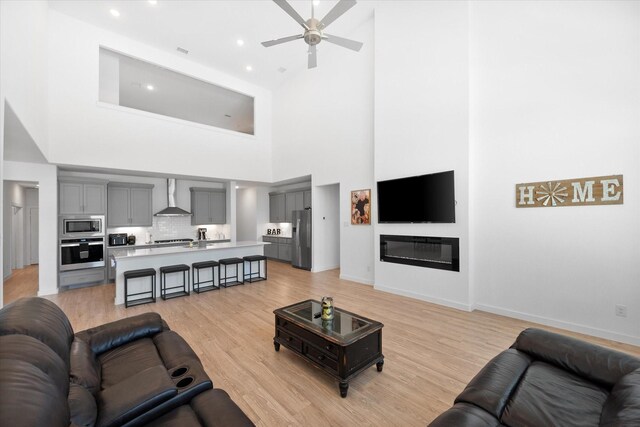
(131, 240)
(118, 239)
(202, 234)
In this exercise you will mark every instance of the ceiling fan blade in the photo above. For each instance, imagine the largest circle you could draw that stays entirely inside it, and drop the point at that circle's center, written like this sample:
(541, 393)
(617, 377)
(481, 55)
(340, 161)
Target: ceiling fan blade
(340, 41)
(281, 40)
(312, 62)
(284, 5)
(336, 12)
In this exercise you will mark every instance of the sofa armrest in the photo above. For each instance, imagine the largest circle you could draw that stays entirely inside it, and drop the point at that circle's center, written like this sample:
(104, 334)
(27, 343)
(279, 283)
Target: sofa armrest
(623, 404)
(115, 334)
(493, 386)
(134, 396)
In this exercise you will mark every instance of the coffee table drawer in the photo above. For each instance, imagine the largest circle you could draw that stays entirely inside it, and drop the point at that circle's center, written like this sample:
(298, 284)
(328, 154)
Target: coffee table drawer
(320, 357)
(320, 342)
(290, 341)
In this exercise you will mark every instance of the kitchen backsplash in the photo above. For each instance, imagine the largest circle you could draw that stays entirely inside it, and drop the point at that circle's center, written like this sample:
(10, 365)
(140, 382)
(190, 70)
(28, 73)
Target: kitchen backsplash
(178, 227)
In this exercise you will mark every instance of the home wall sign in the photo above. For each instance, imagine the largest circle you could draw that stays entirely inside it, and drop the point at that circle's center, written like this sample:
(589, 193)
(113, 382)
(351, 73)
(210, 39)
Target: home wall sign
(597, 190)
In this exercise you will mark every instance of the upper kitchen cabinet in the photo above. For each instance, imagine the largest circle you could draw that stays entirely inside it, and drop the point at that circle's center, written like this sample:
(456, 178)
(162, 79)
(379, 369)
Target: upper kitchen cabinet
(208, 206)
(130, 205)
(82, 196)
(306, 199)
(277, 207)
(294, 202)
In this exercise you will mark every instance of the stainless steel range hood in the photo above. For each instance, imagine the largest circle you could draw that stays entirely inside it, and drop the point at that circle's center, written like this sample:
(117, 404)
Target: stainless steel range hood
(172, 209)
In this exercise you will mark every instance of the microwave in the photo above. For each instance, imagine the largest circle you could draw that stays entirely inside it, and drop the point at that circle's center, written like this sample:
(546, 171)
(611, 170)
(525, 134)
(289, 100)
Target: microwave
(82, 226)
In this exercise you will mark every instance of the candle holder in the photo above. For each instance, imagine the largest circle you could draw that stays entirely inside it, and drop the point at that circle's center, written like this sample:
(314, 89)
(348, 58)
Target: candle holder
(327, 309)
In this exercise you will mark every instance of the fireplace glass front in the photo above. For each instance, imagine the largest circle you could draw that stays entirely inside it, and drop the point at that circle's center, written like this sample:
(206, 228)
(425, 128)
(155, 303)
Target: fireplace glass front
(423, 251)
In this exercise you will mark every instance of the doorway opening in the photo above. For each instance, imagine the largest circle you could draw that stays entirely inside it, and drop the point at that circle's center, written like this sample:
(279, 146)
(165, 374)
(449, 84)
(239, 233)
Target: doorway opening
(21, 248)
(326, 227)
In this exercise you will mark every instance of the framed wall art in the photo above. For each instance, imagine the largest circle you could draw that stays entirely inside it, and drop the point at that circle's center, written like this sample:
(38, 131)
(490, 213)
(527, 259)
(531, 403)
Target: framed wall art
(361, 207)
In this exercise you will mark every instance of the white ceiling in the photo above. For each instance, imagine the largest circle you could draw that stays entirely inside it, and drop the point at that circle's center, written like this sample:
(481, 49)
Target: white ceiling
(209, 31)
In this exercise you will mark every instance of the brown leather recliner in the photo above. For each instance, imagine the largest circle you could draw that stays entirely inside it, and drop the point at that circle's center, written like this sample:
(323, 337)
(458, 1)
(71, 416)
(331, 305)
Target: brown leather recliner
(547, 379)
(132, 372)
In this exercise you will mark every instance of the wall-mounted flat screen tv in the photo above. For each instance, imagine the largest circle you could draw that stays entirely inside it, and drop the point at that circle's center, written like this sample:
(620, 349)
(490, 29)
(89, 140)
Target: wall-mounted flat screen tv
(424, 198)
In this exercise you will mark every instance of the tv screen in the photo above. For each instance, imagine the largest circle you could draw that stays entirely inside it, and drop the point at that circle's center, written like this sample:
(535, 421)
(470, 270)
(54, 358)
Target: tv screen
(424, 198)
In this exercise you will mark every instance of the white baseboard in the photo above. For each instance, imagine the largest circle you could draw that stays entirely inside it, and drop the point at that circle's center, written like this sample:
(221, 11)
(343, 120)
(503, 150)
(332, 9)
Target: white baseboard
(588, 330)
(427, 298)
(43, 292)
(325, 268)
(356, 279)
(7, 277)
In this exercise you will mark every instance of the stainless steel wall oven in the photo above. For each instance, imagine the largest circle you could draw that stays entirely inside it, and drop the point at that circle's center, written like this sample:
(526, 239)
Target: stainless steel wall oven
(76, 254)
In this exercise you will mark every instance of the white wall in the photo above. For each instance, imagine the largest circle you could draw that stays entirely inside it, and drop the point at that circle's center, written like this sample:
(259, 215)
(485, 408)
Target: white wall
(88, 133)
(421, 126)
(46, 176)
(556, 95)
(323, 126)
(326, 227)
(246, 220)
(23, 65)
(31, 201)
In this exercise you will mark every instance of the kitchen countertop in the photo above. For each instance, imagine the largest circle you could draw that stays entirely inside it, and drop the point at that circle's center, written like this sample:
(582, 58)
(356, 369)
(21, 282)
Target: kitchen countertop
(131, 252)
(146, 245)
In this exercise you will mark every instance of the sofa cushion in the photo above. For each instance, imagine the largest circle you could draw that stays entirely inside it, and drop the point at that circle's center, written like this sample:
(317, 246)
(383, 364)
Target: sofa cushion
(36, 353)
(548, 395)
(85, 369)
(465, 415)
(82, 406)
(115, 334)
(213, 408)
(29, 397)
(492, 387)
(589, 361)
(41, 319)
(623, 405)
(134, 396)
(125, 361)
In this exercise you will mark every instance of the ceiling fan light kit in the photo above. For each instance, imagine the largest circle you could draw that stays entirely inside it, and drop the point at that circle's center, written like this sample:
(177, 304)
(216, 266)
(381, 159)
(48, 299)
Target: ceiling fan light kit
(314, 29)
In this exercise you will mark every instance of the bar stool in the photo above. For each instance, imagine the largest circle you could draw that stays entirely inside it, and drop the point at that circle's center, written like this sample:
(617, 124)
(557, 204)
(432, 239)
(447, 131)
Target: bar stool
(195, 270)
(184, 287)
(227, 281)
(137, 274)
(255, 277)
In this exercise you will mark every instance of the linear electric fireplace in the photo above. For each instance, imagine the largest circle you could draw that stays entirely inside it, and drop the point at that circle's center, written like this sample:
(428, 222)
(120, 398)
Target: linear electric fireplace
(424, 251)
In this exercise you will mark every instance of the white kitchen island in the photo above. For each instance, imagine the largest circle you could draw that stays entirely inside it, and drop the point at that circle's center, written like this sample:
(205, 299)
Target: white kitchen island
(139, 258)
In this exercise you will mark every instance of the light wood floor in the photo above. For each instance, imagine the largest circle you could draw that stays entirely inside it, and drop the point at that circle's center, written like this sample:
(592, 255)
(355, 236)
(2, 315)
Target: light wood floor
(430, 351)
(22, 283)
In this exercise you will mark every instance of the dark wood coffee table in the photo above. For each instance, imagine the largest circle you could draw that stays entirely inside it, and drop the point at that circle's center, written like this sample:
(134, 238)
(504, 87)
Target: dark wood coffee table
(342, 347)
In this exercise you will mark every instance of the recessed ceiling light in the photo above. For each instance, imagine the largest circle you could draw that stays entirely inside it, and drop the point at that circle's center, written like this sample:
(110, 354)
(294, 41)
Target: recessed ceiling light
(150, 87)
(114, 12)
(249, 67)
(237, 186)
(316, 2)
(240, 42)
(153, 2)
(182, 50)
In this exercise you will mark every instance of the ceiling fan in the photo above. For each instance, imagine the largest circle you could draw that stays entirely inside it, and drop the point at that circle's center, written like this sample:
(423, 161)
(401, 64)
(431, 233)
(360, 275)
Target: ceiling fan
(314, 29)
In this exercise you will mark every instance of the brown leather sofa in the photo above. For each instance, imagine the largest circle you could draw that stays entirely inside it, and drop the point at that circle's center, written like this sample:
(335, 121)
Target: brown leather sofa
(131, 372)
(547, 379)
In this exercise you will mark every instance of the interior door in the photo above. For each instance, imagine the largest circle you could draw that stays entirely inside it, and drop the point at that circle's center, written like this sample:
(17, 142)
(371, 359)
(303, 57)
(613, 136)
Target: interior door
(34, 215)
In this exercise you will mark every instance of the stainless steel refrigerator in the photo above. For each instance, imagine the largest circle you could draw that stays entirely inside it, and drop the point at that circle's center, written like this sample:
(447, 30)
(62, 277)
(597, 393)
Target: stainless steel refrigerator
(301, 233)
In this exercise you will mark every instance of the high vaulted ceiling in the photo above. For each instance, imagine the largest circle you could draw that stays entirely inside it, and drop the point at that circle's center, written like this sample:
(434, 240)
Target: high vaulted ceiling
(209, 30)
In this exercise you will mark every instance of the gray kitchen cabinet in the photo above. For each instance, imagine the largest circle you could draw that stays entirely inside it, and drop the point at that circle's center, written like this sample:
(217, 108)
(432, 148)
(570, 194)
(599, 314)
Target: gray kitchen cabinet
(284, 250)
(294, 202)
(129, 205)
(111, 270)
(208, 206)
(306, 199)
(280, 248)
(82, 196)
(277, 207)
